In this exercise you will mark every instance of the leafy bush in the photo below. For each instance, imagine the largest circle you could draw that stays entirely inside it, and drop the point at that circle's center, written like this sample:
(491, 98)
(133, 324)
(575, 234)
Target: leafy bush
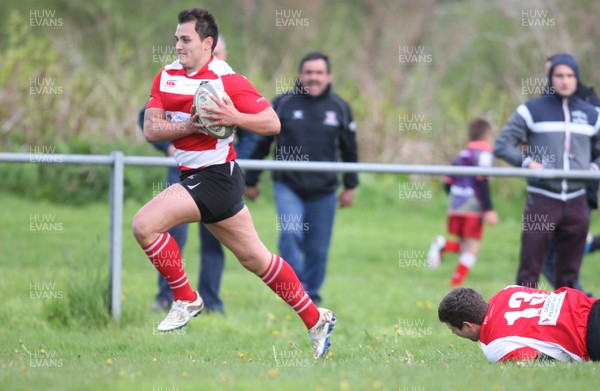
(91, 76)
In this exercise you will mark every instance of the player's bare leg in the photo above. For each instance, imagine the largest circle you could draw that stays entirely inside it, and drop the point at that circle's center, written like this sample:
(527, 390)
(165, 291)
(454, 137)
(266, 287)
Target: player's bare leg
(240, 236)
(173, 206)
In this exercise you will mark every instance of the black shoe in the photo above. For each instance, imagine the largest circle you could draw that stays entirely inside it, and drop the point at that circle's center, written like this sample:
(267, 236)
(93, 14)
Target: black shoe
(214, 310)
(161, 305)
(316, 299)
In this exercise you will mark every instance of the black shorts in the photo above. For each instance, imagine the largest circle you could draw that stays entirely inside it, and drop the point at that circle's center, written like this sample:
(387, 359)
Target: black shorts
(593, 332)
(217, 190)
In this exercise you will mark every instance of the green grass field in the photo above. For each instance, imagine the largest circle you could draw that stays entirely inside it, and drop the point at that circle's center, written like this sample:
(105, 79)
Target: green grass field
(55, 335)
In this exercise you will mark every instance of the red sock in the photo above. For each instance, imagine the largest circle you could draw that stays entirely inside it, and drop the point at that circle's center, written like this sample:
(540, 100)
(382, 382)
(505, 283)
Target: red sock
(165, 256)
(280, 277)
(459, 274)
(465, 263)
(451, 246)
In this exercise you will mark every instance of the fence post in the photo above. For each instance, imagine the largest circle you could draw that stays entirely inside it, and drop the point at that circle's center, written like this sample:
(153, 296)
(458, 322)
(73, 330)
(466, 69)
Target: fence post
(117, 174)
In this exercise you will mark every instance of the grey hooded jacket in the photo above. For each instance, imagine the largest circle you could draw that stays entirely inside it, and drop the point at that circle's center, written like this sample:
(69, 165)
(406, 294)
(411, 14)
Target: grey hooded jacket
(560, 133)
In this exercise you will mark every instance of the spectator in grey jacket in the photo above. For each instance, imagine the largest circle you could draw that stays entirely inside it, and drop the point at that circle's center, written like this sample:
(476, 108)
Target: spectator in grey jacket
(556, 131)
(588, 95)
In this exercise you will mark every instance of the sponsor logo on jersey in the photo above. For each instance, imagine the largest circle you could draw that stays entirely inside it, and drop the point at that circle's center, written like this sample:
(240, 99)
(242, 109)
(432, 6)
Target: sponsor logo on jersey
(551, 309)
(177, 116)
(579, 117)
(331, 118)
(462, 191)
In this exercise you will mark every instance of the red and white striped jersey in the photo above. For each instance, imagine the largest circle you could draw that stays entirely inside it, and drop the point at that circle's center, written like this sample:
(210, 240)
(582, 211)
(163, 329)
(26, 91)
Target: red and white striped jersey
(522, 321)
(173, 91)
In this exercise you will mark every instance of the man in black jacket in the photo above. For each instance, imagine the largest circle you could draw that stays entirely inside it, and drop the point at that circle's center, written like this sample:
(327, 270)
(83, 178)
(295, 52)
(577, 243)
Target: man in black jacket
(561, 132)
(316, 125)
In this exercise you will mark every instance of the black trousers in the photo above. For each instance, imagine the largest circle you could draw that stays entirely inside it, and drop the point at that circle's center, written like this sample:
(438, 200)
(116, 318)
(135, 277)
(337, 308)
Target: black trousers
(544, 217)
(593, 332)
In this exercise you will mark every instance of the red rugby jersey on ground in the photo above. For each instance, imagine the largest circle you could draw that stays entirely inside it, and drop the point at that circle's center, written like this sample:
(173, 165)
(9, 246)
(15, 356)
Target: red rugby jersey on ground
(173, 91)
(521, 320)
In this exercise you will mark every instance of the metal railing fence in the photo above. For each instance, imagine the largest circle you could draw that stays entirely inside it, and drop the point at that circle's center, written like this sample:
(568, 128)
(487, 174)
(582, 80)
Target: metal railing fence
(117, 161)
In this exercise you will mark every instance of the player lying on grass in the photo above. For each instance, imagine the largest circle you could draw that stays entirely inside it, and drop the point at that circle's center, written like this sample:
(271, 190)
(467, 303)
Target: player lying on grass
(522, 323)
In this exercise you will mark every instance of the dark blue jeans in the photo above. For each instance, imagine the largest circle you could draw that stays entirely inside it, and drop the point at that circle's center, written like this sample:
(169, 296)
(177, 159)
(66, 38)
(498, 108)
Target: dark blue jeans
(305, 228)
(211, 265)
(211, 270)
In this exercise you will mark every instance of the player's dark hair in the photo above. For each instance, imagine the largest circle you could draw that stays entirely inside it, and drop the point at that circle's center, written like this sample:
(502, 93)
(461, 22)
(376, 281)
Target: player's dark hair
(314, 56)
(462, 305)
(206, 24)
(479, 128)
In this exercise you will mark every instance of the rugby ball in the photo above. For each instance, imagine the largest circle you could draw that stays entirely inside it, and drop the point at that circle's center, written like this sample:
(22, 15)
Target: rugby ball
(202, 98)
